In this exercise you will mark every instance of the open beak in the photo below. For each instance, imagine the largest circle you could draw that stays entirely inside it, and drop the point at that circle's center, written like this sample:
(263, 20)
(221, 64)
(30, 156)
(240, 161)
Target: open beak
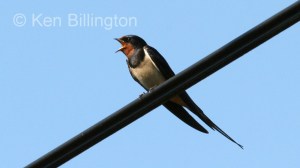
(122, 43)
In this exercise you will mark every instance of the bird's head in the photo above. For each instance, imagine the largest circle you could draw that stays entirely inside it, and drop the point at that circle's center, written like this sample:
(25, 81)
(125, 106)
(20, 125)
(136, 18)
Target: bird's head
(130, 43)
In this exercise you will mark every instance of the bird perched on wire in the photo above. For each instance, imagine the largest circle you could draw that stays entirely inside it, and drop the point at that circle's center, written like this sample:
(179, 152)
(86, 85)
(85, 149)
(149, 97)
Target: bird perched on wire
(149, 68)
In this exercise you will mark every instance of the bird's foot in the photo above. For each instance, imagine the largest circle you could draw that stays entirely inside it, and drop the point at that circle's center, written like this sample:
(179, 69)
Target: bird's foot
(151, 89)
(148, 91)
(141, 95)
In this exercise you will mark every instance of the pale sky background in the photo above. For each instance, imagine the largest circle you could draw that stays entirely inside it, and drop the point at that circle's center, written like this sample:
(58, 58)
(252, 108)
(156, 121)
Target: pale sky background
(56, 81)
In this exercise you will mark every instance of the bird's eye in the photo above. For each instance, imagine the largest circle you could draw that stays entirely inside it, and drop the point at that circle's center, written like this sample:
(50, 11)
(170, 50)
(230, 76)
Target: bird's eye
(126, 39)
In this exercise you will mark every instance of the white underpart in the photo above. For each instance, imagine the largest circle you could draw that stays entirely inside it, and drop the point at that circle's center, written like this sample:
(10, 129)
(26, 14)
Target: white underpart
(147, 73)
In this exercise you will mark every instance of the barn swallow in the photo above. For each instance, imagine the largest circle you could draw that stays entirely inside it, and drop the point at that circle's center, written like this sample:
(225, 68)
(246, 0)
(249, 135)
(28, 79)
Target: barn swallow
(149, 68)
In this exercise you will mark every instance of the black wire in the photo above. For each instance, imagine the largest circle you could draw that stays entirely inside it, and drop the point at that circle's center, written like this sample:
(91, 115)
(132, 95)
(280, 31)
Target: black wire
(176, 84)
